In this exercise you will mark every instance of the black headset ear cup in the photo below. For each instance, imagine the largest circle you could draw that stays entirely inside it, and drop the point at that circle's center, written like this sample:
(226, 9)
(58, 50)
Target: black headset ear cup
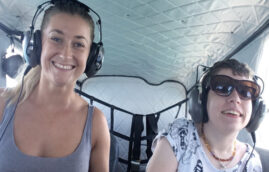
(257, 115)
(95, 59)
(36, 54)
(195, 105)
(32, 46)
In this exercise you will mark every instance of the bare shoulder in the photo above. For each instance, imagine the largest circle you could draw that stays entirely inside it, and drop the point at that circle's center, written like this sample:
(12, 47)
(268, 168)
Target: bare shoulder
(2, 104)
(99, 125)
(100, 142)
(98, 115)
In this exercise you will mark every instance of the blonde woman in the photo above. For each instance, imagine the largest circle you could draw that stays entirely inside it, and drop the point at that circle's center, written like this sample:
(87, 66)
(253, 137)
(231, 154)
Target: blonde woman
(53, 128)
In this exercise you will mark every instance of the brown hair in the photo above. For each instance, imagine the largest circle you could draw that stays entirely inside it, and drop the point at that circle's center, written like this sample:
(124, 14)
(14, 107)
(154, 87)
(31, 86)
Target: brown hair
(70, 7)
(237, 68)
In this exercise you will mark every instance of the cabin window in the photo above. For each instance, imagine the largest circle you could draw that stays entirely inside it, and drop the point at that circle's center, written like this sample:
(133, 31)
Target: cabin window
(263, 72)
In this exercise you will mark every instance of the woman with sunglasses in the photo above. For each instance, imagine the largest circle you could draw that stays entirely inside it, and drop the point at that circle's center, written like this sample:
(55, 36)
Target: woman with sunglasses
(211, 145)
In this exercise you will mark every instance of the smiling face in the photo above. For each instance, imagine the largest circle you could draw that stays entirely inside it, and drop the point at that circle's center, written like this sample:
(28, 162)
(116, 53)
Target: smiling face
(66, 43)
(231, 112)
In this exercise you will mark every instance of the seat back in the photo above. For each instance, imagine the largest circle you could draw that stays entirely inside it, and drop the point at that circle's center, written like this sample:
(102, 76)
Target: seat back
(264, 155)
(114, 153)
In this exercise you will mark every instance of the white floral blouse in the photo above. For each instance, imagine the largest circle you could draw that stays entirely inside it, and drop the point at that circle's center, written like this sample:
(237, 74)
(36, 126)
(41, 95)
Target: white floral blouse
(184, 140)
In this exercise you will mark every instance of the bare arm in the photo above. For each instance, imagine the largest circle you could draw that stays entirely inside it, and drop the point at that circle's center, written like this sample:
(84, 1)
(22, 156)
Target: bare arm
(163, 158)
(100, 143)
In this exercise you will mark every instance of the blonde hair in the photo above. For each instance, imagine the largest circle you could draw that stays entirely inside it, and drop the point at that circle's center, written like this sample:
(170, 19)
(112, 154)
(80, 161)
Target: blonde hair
(29, 83)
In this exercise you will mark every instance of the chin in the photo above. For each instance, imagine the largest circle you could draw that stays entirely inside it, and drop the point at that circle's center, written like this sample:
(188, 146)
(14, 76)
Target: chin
(62, 83)
(235, 128)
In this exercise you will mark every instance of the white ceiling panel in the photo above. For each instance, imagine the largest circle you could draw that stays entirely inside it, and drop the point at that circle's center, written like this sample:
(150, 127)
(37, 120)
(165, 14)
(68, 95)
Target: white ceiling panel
(159, 39)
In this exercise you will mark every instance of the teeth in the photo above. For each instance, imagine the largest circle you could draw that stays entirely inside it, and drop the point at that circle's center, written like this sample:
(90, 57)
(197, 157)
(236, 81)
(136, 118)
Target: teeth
(63, 66)
(231, 112)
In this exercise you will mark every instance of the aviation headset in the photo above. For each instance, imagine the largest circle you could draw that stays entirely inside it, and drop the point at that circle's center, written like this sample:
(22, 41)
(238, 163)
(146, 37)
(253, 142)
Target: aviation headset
(198, 100)
(32, 43)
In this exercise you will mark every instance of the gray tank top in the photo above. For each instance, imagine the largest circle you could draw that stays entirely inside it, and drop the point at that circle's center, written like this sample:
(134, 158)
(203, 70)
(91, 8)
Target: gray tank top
(13, 160)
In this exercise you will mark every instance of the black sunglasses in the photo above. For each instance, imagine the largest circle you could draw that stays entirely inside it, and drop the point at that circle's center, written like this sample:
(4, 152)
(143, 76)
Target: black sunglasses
(224, 85)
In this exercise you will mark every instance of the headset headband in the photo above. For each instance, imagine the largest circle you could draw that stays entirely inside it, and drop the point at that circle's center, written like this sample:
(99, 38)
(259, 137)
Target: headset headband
(42, 6)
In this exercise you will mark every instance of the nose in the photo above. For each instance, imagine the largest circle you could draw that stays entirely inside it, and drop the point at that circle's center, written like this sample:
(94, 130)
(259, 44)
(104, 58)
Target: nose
(234, 97)
(66, 51)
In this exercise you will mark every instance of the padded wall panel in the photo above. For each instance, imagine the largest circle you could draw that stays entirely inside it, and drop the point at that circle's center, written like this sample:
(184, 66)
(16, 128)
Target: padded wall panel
(135, 96)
